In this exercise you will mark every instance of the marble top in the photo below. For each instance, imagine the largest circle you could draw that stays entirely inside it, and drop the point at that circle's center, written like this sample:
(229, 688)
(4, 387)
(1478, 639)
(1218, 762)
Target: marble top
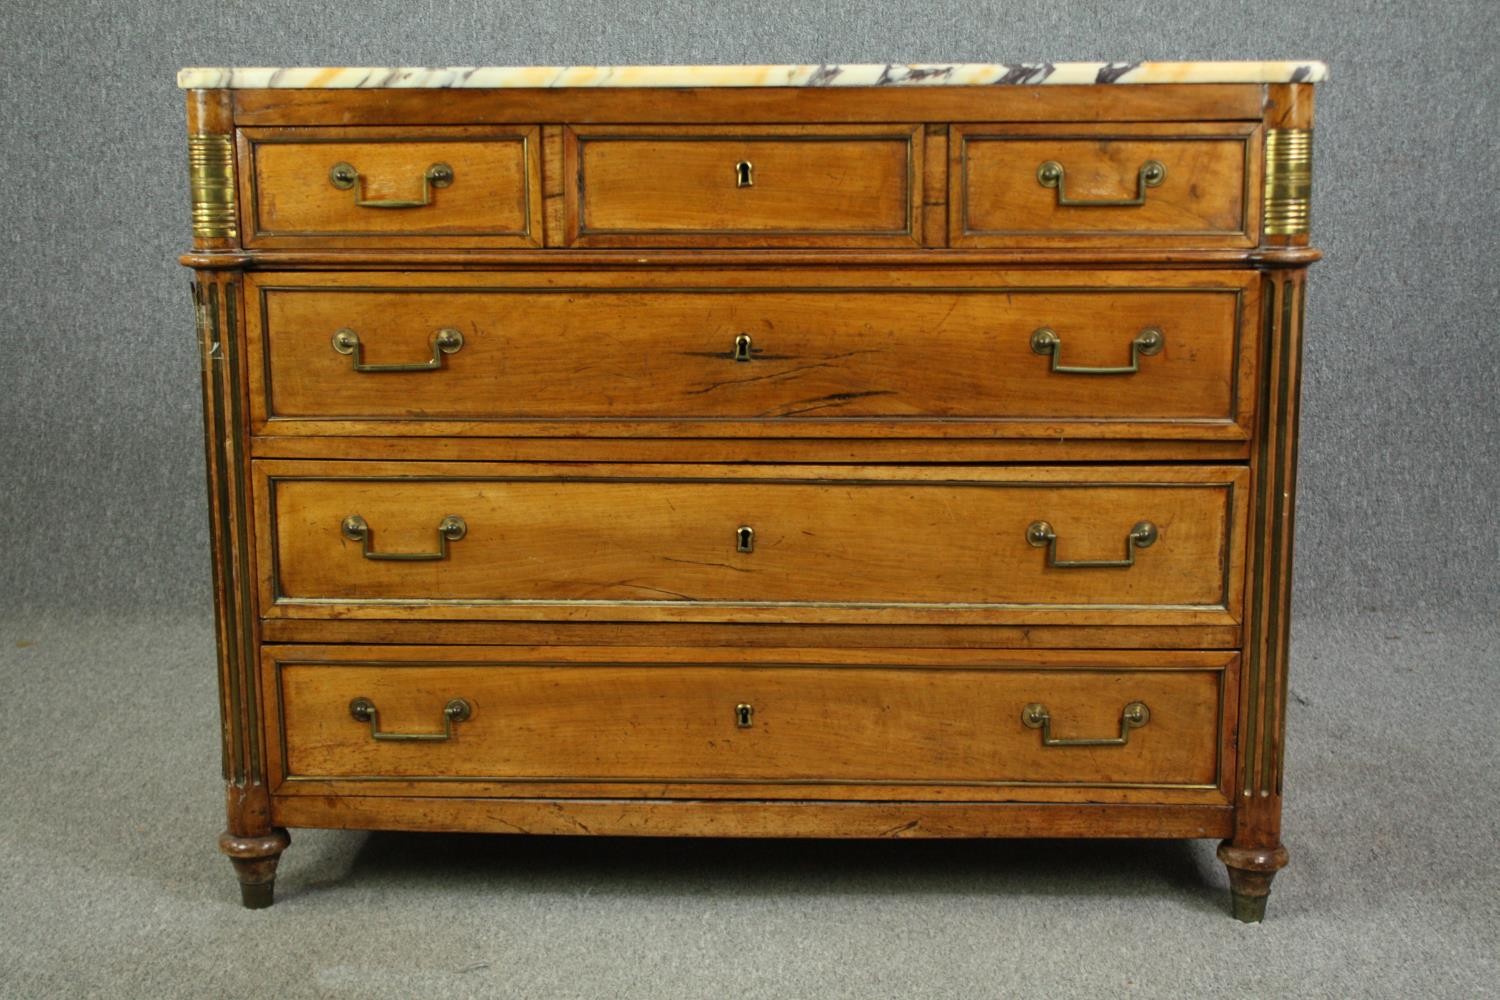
(852, 75)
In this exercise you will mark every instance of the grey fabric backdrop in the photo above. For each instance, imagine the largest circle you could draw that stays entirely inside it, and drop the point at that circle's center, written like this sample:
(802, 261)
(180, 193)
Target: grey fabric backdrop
(102, 499)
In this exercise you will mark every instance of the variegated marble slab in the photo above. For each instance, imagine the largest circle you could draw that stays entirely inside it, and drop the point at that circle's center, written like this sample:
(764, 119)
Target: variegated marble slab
(870, 75)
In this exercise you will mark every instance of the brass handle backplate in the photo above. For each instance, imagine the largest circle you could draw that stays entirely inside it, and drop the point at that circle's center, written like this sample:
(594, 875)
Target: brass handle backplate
(1148, 342)
(445, 341)
(344, 177)
(1142, 536)
(1051, 175)
(1133, 716)
(449, 529)
(457, 710)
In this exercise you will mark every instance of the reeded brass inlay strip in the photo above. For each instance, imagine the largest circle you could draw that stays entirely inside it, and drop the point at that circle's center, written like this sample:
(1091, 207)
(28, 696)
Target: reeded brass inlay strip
(1288, 181)
(211, 176)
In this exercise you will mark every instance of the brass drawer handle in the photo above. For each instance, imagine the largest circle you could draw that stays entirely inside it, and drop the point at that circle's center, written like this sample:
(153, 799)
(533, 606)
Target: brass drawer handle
(449, 529)
(344, 177)
(1050, 175)
(457, 710)
(445, 341)
(1148, 342)
(1132, 716)
(1142, 536)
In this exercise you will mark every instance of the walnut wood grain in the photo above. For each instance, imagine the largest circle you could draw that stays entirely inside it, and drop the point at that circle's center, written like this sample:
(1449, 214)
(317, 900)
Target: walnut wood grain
(414, 629)
(494, 198)
(808, 185)
(1267, 646)
(555, 359)
(1206, 198)
(820, 450)
(792, 105)
(875, 544)
(255, 858)
(807, 260)
(692, 818)
(1251, 871)
(663, 722)
(250, 840)
(890, 261)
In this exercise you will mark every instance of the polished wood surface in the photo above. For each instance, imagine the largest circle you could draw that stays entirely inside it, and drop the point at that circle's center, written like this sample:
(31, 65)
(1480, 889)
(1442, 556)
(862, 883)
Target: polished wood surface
(644, 260)
(877, 544)
(748, 635)
(1203, 199)
(953, 447)
(870, 820)
(716, 106)
(664, 726)
(889, 439)
(869, 360)
(493, 199)
(743, 185)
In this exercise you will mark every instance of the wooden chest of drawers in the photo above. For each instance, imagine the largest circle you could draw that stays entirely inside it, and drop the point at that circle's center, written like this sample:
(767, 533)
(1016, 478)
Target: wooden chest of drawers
(757, 451)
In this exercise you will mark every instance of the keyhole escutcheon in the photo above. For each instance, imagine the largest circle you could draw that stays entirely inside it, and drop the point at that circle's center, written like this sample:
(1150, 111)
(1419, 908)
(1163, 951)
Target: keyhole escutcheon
(742, 347)
(744, 539)
(744, 715)
(744, 174)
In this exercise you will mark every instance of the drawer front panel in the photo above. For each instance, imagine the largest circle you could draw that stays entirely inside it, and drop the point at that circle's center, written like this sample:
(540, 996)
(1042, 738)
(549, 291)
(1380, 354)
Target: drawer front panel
(1123, 185)
(775, 362)
(685, 721)
(744, 186)
(886, 544)
(413, 187)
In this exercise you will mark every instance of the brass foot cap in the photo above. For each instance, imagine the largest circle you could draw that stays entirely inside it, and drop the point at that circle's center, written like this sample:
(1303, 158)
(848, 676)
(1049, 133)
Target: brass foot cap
(257, 895)
(1249, 909)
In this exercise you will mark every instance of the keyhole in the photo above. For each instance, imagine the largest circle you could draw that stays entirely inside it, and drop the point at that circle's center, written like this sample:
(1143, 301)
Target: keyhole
(745, 539)
(743, 176)
(743, 714)
(742, 347)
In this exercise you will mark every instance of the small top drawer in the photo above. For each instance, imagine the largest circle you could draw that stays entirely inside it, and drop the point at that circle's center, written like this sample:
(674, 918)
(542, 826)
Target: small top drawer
(742, 186)
(1120, 185)
(374, 187)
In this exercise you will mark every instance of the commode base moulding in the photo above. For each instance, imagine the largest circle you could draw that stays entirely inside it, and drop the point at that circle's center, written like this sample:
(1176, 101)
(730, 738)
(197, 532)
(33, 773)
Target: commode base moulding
(778, 451)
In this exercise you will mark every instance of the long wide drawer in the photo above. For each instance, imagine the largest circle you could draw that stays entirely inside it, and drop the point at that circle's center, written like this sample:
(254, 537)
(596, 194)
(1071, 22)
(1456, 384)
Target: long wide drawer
(1137, 355)
(710, 722)
(1085, 545)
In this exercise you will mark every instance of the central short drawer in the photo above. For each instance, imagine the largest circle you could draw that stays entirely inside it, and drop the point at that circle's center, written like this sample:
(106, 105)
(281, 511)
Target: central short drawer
(743, 185)
(1086, 545)
(690, 722)
(1126, 355)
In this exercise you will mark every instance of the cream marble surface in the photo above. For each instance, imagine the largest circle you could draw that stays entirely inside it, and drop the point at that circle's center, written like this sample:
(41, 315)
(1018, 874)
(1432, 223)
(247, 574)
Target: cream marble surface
(871, 75)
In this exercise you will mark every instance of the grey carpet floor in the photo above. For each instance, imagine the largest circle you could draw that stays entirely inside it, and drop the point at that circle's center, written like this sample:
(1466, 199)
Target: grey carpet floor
(110, 884)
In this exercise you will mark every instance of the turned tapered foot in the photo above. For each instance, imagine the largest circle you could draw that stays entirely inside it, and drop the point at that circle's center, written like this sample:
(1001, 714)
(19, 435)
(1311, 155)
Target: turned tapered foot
(254, 860)
(1251, 870)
